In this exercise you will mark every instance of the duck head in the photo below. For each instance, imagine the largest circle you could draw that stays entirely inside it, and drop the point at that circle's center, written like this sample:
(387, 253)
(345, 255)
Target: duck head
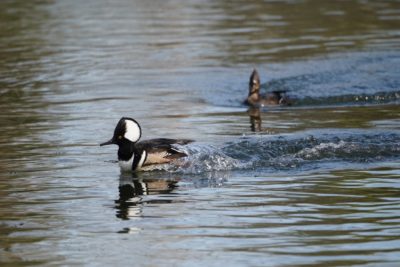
(254, 83)
(126, 131)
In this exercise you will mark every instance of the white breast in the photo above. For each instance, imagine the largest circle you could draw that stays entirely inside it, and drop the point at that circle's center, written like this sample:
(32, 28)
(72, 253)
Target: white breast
(126, 166)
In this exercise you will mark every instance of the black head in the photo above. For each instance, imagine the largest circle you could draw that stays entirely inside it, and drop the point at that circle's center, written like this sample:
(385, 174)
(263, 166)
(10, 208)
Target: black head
(254, 83)
(126, 131)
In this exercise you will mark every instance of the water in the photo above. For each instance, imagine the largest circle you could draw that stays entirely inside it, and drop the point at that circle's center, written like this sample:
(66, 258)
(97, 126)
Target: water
(316, 183)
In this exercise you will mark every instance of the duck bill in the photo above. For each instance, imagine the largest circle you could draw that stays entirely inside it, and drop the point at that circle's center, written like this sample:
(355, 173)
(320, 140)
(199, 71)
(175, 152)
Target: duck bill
(109, 142)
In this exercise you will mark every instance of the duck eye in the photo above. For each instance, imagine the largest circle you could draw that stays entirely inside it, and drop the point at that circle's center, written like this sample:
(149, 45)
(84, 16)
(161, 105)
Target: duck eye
(120, 137)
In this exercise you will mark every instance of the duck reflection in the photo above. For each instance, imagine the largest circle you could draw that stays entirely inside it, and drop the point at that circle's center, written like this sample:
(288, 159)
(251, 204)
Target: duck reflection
(132, 189)
(136, 190)
(255, 119)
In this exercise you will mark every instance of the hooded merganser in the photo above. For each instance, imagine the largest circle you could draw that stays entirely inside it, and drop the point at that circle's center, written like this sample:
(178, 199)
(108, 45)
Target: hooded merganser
(134, 155)
(273, 98)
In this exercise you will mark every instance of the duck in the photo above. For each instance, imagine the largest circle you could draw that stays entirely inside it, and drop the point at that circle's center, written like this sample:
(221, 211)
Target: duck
(254, 99)
(144, 155)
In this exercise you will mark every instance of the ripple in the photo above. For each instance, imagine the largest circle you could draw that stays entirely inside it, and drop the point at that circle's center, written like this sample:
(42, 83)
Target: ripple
(299, 152)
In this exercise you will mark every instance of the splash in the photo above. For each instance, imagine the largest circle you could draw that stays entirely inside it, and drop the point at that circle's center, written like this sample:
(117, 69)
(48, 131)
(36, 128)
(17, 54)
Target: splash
(303, 151)
(341, 79)
(376, 98)
(206, 158)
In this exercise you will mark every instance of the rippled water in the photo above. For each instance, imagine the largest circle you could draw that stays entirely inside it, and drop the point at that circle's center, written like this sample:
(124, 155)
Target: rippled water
(315, 183)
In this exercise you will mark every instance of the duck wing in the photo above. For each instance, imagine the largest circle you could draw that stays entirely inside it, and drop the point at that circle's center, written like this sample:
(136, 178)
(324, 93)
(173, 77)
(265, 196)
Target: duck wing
(162, 150)
(161, 143)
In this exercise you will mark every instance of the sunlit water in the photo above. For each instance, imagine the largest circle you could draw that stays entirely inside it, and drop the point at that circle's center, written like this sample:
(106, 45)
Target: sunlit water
(316, 183)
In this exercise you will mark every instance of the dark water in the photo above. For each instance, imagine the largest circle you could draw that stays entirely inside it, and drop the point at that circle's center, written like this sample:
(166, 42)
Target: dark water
(313, 184)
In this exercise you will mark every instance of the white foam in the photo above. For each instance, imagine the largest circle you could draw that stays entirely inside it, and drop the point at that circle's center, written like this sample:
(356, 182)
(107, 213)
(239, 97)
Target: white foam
(322, 148)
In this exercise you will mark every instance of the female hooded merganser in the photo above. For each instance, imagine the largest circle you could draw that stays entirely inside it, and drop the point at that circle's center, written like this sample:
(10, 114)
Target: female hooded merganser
(254, 99)
(134, 155)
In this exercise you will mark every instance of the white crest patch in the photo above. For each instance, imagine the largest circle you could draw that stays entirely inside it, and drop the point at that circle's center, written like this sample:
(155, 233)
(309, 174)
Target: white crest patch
(132, 131)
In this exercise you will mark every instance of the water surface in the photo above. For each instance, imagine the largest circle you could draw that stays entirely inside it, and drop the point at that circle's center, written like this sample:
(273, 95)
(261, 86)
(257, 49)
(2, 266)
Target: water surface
(316, 183)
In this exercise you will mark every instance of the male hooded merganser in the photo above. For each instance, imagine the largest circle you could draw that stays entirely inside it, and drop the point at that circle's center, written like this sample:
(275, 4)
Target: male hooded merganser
(134, 155)
(254, 99)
